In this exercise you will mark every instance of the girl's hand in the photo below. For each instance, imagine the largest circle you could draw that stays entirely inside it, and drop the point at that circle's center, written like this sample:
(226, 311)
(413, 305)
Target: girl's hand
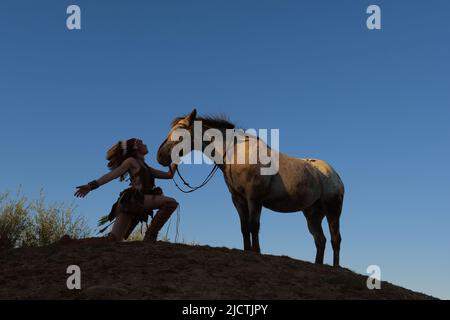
(82, 191)
(173, 167)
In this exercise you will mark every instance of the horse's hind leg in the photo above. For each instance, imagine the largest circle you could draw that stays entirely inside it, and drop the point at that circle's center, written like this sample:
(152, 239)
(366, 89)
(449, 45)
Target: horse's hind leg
(334, 208)
(314, 217)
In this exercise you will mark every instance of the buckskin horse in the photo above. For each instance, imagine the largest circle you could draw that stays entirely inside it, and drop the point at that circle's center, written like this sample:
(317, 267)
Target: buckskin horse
(308, 185)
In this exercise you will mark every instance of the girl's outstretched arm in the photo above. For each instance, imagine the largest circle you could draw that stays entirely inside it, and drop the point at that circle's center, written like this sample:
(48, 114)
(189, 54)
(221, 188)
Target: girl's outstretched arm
(120, 170)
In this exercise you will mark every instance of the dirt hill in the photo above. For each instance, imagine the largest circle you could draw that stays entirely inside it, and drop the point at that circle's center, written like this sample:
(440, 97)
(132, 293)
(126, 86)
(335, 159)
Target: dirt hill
(140, 270)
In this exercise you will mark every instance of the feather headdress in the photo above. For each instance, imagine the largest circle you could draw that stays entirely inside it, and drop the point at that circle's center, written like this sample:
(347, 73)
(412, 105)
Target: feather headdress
(121, 151)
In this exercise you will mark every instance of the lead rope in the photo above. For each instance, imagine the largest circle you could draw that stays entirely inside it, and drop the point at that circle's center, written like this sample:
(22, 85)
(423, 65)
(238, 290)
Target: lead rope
(178, 223)
(192, 189)
(177, 226)
(208, 177)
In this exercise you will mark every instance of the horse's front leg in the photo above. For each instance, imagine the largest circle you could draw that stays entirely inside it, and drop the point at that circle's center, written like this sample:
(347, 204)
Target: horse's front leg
(254, 209)
(241, 206)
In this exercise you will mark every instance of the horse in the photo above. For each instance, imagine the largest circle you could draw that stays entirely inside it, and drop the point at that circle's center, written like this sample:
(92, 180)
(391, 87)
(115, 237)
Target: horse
(308, 185)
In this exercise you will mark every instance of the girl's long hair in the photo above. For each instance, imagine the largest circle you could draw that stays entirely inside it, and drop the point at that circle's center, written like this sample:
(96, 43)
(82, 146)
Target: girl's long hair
(121, 151)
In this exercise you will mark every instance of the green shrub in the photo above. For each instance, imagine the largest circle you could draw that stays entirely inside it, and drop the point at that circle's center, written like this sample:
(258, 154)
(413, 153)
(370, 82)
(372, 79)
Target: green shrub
(137, 235)
(14, 221)
(26, 223)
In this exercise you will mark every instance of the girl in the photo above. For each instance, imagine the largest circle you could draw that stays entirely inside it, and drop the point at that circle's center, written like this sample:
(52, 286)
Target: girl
(138, 201)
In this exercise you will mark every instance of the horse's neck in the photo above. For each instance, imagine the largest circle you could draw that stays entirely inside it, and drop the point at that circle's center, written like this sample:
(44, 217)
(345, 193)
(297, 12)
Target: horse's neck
(227, 149)
(221, 149)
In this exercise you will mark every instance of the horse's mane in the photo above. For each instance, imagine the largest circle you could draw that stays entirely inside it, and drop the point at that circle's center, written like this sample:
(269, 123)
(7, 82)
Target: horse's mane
(212, 121)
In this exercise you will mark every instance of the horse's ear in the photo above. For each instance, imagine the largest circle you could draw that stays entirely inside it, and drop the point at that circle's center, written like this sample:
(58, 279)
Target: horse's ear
(191, 117)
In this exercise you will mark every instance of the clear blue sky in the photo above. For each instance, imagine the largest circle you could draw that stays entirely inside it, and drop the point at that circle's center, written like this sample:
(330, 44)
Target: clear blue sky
(375, 104)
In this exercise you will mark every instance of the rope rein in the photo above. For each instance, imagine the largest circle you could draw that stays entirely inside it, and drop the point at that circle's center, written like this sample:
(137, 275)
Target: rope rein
(191, 188)
(208, 177)
(177, 226)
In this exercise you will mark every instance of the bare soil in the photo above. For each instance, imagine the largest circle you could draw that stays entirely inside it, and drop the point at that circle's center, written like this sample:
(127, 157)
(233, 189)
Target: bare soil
(162, 270)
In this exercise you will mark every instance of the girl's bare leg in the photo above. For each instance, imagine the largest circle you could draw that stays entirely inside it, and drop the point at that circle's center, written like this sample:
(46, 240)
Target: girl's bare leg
(121, 226)
(166, 207)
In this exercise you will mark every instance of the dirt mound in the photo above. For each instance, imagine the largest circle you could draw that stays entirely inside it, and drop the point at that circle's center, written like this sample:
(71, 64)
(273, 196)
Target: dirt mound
(140, 270)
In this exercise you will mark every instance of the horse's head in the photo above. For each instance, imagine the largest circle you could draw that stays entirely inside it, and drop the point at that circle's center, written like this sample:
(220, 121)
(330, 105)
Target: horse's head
(185, 123)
